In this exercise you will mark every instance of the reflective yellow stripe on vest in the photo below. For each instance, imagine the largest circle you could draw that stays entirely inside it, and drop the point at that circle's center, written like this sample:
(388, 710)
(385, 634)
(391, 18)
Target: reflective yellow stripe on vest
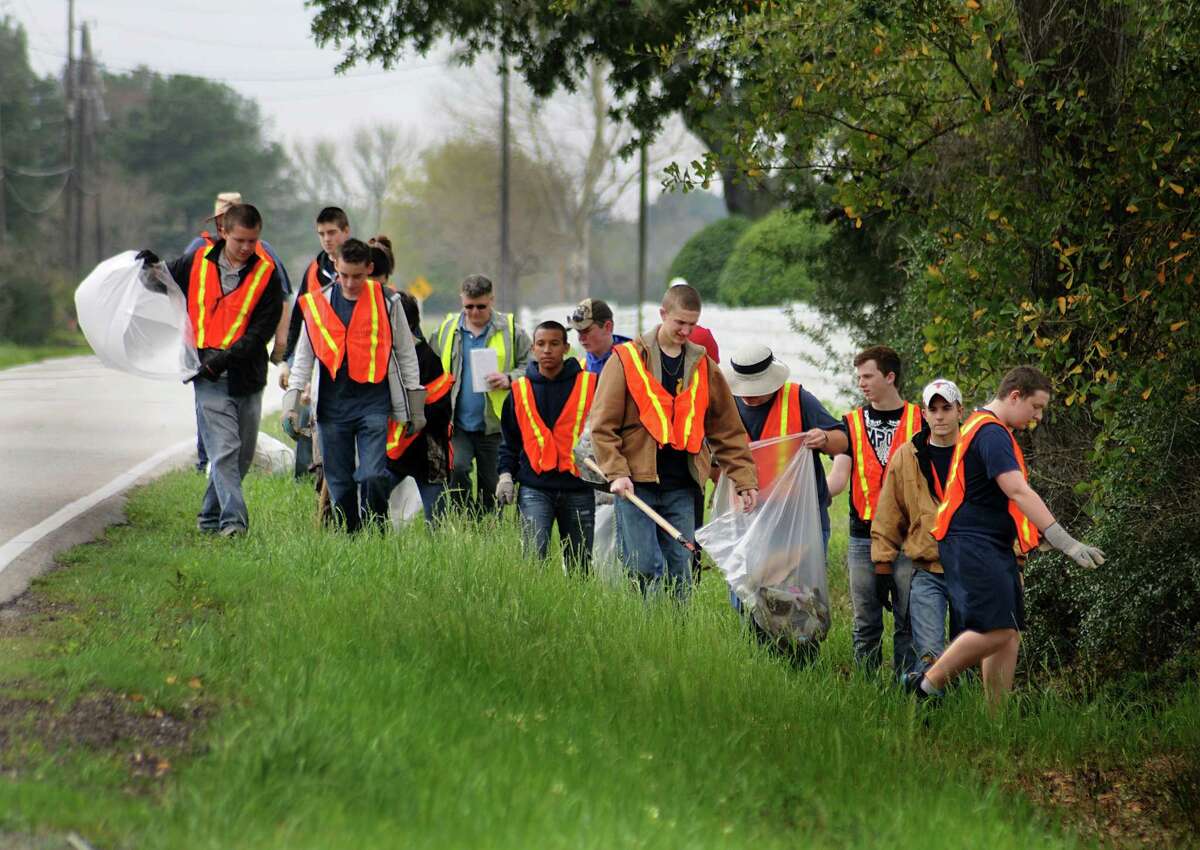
(205, 270)
(860, 433)
(691, 417)
(316, 315)
(636, 360)
(372, 287)
(581, 410)
(521, 389)
(263, 268)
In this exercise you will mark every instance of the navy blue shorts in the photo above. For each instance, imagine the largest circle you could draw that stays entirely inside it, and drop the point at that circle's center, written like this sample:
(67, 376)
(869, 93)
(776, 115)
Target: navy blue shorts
(982, 582)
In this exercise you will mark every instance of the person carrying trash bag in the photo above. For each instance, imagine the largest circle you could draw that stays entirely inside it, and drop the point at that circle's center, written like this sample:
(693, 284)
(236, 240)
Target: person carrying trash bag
(360, 340)
(234, 300)
(907, 511)
(987, 508)
(424, 456)
(540, 424)
(663, 410)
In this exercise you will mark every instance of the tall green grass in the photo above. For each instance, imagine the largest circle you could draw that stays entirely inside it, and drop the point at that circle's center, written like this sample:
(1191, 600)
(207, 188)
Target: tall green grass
(442, 691)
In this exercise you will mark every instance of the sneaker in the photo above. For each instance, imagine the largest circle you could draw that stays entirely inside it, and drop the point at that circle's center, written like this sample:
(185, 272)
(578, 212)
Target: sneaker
(232, 531)
(912, 685)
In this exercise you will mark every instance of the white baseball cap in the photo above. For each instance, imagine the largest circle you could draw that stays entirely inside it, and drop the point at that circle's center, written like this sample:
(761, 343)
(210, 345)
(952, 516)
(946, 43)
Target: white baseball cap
(946, 389)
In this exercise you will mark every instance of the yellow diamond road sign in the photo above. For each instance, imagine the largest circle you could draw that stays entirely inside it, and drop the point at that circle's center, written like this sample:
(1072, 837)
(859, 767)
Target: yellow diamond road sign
(419, 288)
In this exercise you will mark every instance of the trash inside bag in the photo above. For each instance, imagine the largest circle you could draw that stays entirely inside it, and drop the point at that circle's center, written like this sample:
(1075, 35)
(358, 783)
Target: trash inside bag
(404, 505)
(774, 557)
(137, 325)
(272, 456)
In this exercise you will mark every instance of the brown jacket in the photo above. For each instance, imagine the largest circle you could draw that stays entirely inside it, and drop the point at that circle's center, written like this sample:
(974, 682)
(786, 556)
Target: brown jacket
(625, 448)
(905, 515)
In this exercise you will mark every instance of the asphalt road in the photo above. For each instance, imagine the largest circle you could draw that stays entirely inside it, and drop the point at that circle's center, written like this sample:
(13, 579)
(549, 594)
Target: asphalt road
(70, 427)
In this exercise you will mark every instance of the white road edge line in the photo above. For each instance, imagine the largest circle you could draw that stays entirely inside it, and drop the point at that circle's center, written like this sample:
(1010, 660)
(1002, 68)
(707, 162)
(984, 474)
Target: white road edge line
(17, 546)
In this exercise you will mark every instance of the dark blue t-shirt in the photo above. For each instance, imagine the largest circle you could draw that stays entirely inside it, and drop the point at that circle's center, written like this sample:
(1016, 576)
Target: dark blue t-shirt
(814, 415)
(341, 399)
(985, 507)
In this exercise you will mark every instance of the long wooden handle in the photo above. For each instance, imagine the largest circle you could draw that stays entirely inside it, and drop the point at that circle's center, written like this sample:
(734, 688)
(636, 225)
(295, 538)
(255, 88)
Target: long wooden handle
(658, 518)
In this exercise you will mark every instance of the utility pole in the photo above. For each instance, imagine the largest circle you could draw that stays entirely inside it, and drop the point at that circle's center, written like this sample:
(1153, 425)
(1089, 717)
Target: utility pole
(508, 290)
(72, 175)
(641, 270)
(3, 185)
(81, 153)
(89, 152)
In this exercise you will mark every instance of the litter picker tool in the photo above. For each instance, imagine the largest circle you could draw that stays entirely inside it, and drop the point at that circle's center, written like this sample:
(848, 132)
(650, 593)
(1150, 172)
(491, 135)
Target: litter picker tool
(658, 519)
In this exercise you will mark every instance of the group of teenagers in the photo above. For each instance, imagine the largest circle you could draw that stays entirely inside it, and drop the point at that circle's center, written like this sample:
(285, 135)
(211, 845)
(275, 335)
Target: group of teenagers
(941, 512)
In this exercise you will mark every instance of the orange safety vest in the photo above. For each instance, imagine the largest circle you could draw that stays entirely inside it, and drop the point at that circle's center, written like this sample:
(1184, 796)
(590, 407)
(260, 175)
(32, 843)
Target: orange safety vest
(219, 320)
(551, 449)
(435, 391)
(866, 480)
(674, 420)
(785, 417)
(366, 343)
(956, 486)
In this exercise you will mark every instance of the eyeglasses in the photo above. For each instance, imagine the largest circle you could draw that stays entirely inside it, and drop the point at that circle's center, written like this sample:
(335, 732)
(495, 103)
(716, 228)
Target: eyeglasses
(475, 306)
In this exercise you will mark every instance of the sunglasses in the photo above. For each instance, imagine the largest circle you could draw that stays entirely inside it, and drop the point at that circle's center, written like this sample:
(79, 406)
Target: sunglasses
(476, 306)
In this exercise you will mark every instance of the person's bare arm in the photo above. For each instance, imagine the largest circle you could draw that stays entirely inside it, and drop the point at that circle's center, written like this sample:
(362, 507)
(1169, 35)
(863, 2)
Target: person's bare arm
(839, 475)
(1015, 486)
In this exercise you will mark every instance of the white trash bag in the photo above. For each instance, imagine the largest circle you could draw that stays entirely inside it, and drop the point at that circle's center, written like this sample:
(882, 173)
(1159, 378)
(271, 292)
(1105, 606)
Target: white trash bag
(272, 456)
(774, 557)
(404, 504)
(604, 546)
(134, 328)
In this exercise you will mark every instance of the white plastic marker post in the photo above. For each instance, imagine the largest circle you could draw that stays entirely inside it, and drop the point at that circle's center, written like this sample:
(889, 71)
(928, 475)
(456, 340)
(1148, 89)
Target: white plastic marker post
(659, 520)
(16, 547)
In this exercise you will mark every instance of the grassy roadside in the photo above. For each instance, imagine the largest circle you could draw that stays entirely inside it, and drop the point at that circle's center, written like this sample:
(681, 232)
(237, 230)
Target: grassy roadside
(300, 689)
(16, 355)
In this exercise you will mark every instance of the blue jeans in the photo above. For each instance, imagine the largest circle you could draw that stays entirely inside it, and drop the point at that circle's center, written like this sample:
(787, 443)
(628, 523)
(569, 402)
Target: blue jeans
(650, 556)
(868, 612)
(229, 430)
(201, 454)
(928, 603)
(345, 479)
(575, 513)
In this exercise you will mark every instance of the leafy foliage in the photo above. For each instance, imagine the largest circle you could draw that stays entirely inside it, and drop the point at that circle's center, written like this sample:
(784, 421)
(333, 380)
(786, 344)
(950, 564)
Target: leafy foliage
(702, 257)
(776, 261)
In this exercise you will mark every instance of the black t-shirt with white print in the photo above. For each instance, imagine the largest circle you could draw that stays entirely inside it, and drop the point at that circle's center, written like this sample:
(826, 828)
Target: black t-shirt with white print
(881, 429)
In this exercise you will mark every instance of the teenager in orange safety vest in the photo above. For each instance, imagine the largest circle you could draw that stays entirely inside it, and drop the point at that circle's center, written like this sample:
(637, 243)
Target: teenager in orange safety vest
(358, 340)
(662, 412)
(988, 506)
(234, 299)
(424, 455)
(540, 423)
(875, 431)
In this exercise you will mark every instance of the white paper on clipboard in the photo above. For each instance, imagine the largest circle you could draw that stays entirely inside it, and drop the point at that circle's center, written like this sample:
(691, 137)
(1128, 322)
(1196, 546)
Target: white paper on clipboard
(484, 362)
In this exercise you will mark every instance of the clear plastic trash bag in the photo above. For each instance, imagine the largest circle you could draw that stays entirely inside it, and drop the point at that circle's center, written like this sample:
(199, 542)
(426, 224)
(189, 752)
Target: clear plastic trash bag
(273, 457)
(774, 557)
(404, 504)
(139, 327)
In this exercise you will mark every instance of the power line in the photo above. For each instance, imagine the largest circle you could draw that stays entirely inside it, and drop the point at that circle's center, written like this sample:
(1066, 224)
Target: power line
(30, 172)
(276, 79)
(32, 209)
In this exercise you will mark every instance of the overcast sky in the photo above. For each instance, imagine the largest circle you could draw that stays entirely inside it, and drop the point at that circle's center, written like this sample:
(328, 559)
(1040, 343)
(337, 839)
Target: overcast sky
(264, 50)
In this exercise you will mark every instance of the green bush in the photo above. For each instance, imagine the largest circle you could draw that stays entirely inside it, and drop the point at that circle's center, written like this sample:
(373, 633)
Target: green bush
(702, 257)
(31, 302)
(776, 260)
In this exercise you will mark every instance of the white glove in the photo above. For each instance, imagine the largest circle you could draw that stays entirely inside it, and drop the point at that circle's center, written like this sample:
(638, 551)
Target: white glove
(1082, 554)
(505, 492)
(291, 412)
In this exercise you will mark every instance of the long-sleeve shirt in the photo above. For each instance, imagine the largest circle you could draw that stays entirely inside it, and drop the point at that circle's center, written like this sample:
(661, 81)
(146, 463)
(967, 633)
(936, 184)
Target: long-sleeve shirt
(549, 396)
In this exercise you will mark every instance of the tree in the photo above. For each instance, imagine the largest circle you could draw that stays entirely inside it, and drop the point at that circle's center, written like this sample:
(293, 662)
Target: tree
(776, 261)
(703, 257)
(376, 153)
(444, 223)
(318, 175)
(191, 139)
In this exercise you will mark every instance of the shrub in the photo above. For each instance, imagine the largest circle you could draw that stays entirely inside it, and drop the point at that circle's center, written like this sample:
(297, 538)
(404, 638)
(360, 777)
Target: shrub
(702, 257)
(31, 301)
(777, 260)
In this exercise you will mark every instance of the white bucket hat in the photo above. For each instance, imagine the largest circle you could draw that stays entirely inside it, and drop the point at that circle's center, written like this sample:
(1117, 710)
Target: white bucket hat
(753, 370)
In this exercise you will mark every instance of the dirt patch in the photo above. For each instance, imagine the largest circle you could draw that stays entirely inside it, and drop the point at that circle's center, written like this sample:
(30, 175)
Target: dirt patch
(100, 723)
(29, 611)
(1148, 805)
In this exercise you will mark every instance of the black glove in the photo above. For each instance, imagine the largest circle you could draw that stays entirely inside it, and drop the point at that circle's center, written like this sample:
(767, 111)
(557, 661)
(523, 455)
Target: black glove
(885, 589)
(215, 363)
(148, 257)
